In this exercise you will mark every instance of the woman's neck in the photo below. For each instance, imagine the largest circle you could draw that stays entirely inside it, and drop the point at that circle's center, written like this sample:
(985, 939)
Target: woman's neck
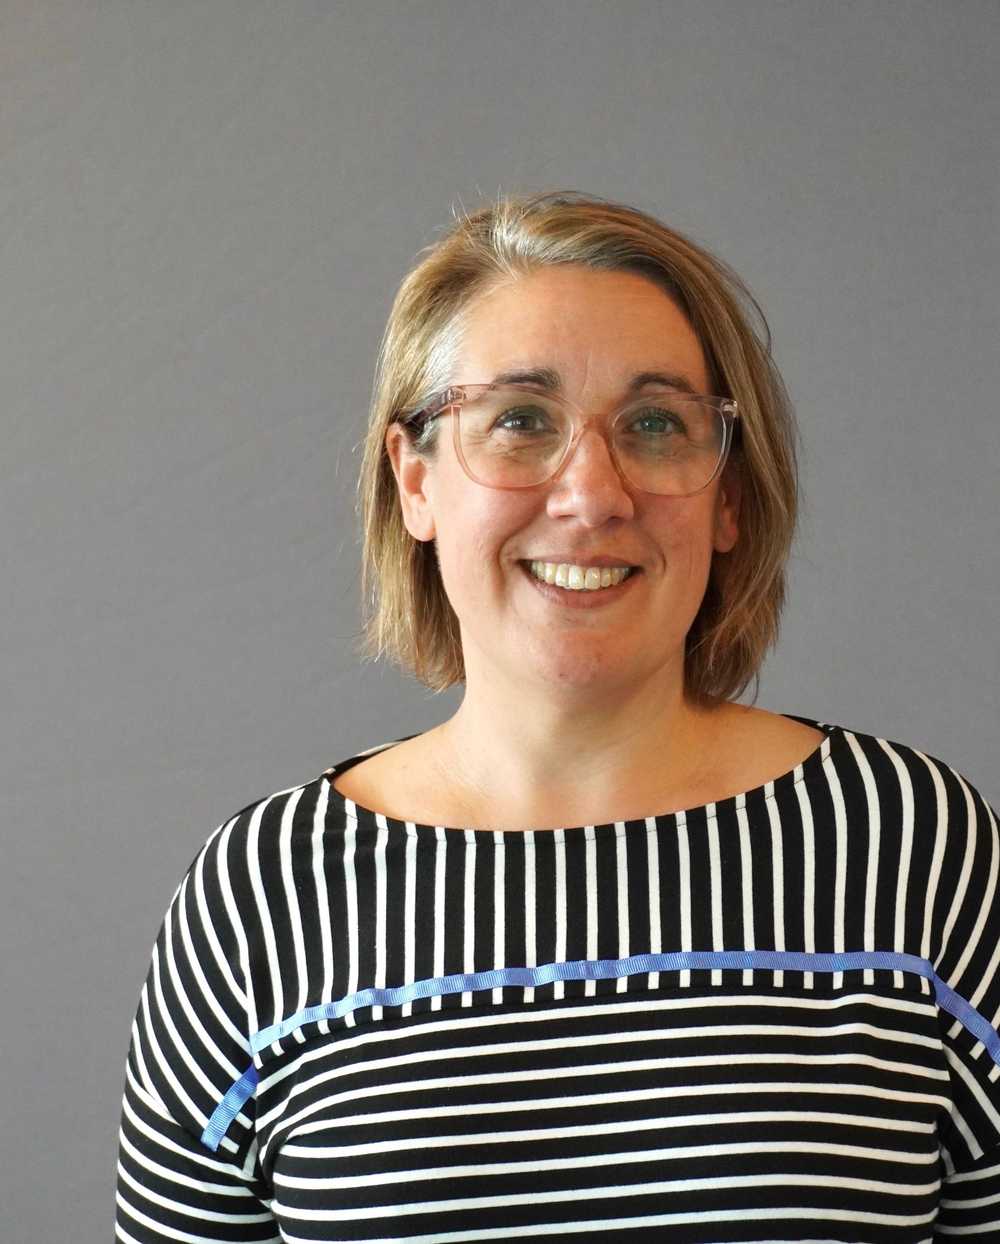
(539, 768)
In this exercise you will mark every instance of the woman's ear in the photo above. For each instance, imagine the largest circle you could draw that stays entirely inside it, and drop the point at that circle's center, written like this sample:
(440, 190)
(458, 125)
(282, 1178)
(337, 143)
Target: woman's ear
(727, 508)
(412, 477)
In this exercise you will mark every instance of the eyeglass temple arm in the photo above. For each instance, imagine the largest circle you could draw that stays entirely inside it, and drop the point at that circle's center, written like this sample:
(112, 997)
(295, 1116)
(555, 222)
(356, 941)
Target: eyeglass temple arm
(436, 403)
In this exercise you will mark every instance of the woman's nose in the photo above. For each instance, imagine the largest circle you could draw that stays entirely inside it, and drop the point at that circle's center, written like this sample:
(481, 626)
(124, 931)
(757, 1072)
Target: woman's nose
(589, 477)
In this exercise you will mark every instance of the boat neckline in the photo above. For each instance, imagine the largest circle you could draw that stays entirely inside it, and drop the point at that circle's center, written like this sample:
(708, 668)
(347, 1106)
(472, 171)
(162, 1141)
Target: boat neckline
(369, 817)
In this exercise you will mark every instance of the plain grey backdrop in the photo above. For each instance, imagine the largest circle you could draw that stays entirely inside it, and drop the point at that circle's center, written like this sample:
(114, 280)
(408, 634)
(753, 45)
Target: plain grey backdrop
(206, 209)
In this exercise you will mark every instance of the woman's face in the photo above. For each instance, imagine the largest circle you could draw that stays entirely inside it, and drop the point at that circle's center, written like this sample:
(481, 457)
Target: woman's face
(596, 330)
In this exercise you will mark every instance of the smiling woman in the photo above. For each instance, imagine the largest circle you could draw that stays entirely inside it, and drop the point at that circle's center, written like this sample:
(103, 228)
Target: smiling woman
(560, 675)
(706, 309)
(606, 952)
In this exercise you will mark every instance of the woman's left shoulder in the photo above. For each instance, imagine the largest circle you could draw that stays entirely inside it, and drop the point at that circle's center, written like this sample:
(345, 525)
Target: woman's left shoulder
(930, 787)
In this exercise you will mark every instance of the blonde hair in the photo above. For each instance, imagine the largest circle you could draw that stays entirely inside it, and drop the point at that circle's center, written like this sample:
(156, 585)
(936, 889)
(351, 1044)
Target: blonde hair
(407, 614)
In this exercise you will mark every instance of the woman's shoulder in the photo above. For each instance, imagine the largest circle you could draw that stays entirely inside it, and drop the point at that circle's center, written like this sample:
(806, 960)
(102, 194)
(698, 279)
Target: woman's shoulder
(870, 771)
(246, 849)
(879, 777)
(904, 755)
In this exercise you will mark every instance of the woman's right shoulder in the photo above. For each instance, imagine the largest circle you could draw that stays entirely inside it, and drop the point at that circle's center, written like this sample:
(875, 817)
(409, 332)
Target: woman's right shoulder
(246, 848)
(280, 811)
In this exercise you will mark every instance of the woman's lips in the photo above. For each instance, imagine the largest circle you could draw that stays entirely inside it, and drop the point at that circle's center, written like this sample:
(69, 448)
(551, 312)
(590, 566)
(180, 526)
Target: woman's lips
(581, 598)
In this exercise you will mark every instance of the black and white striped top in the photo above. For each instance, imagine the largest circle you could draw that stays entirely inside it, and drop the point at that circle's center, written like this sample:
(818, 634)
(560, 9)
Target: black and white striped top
(769, 1018)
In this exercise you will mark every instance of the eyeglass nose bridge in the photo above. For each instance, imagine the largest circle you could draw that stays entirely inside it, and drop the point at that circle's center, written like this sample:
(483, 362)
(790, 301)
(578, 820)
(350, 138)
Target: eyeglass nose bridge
(583, 423)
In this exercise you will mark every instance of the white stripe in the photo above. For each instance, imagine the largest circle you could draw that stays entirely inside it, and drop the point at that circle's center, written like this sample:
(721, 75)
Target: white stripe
(684, 897)
(746, 881)
(499, 909)
(775, 1119)
(986, 1172)
(439, 908)
(977, 1203)
(905, 849)
(988, 902)
(135, 1051)
(942, 828)
(809, 879)
(127, 1238)
(292, 899)
(840, 871)
(323, 909)
(965, 876)
(530, 899)
(192, 1211)
(469, 913)
(351, 904)
(409, 914)
(251, 1164)
(987, 1230)
(276, 976)
(617, 1224)
(207, 994)
(325, 1182)
(590, 901)
(390, 1118)
(378, 861)
(624, 928)
(623, 1192)
(171, 1232)
(715, 889)
(653, 878)
(559, 851)
(874, 816)
(778, 874)
(245, 996)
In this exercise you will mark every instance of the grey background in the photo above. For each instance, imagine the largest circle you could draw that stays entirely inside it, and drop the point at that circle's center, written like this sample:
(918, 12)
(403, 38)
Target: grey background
(206, 209)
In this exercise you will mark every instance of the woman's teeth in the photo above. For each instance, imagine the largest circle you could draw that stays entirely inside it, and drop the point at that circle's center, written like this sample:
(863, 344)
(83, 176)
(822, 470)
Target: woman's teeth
(579, 578)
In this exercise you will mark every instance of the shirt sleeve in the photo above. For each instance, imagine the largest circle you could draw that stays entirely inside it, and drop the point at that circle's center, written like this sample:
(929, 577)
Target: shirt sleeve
(968, 988)
(970, 1202)
(188, 1167)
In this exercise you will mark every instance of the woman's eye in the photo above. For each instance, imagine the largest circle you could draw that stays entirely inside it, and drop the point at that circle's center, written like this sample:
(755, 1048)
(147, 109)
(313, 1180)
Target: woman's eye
(656, 415)
(520, 413)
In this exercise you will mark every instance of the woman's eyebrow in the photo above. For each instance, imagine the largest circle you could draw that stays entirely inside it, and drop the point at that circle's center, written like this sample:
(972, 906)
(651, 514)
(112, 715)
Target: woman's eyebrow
(548, 378)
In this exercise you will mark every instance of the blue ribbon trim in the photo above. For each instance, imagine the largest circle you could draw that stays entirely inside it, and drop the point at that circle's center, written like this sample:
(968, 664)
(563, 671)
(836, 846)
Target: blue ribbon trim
(229, 1108)
(602, 969)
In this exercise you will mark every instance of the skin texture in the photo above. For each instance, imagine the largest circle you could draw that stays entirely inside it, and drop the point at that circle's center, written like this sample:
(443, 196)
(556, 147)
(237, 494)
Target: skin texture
(565, 709)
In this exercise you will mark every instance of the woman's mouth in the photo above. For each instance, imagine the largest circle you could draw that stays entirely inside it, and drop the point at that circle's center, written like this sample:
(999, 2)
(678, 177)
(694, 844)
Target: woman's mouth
(582, 597)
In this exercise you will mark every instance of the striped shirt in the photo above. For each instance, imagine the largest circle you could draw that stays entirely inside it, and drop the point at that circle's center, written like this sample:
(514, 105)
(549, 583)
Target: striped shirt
(773, 1017)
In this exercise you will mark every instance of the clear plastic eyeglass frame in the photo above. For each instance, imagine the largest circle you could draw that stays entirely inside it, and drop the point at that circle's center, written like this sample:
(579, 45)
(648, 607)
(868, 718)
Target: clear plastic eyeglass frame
(449, 402)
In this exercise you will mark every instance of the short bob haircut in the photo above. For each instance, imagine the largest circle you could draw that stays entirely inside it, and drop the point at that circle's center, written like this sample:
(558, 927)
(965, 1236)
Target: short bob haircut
(411, 619)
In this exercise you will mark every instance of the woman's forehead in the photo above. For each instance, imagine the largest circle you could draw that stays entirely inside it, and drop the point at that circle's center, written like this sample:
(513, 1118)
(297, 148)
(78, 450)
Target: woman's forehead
(613, 324)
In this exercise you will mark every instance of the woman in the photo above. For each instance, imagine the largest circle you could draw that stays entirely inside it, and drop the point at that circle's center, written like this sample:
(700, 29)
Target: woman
(605, 952)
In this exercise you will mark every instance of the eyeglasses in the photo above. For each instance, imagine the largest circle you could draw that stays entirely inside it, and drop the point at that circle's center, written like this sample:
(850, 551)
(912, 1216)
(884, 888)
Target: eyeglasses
(666, 442)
